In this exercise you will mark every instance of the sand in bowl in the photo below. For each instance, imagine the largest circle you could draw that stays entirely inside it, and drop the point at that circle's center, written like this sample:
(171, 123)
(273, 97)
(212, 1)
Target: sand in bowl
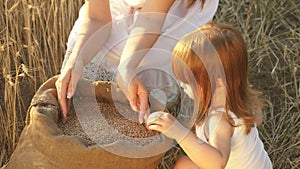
(99, 122)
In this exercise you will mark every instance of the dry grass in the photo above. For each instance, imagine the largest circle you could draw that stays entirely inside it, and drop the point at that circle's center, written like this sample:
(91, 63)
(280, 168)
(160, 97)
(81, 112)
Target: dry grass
(272, 31)
(33, 34)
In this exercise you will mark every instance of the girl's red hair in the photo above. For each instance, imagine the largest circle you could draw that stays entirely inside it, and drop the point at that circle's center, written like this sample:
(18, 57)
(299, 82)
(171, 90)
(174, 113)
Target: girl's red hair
(212, 52)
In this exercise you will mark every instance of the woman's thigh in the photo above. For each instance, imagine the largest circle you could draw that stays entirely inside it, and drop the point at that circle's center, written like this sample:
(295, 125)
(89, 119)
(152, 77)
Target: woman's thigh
(185, 162)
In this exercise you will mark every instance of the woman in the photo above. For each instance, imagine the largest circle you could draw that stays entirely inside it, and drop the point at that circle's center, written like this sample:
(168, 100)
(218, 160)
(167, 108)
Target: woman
(139, 41)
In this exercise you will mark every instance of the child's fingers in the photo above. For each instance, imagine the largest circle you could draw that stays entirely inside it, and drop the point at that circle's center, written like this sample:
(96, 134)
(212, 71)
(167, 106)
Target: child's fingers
(156, 120)
(154, 116)
(156, 127)
(159, 121)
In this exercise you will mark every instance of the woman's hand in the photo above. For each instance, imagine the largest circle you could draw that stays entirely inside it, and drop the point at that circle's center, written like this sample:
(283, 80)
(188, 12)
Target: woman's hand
(138, 98)
(67, 82)
(137, 95)
(93, 33)
(167, 124)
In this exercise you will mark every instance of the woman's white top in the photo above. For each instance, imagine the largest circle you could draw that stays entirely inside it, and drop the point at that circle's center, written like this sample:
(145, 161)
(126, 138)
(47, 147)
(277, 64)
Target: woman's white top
(179, 21)
(247, 150)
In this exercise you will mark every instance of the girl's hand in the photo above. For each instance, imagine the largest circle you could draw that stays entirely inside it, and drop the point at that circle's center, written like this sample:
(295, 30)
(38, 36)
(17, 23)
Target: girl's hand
(166, 124)
(93, 33)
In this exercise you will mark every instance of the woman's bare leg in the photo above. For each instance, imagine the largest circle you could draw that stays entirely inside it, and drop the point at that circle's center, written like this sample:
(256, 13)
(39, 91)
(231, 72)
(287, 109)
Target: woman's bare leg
(185, 162)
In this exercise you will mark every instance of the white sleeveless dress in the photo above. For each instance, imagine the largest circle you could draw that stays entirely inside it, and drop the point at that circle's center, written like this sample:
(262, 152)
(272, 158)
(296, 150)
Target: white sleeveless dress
(180, 21)
(247, 151)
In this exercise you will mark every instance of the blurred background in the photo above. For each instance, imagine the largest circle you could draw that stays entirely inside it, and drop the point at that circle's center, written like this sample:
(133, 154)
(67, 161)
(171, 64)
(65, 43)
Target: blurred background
(33, 36)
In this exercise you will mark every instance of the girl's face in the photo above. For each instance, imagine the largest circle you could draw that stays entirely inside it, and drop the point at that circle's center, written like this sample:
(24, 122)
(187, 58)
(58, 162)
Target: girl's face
(187, 89)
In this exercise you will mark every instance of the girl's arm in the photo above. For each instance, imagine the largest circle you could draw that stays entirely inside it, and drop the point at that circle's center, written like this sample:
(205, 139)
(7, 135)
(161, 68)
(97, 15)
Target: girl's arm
(211, 155)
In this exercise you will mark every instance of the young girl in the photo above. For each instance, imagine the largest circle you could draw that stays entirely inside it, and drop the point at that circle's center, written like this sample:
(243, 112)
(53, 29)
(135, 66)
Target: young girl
(229, 110)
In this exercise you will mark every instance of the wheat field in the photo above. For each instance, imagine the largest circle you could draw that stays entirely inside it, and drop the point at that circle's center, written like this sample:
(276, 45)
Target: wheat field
(33, 34)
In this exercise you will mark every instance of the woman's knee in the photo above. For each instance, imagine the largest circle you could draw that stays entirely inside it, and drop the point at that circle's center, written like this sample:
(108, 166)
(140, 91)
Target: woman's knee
(185, 162)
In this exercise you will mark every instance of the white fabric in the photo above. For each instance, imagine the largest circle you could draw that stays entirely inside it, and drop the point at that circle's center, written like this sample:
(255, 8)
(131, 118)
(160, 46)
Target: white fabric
(247, 151)
(135, 3)
(180, 21)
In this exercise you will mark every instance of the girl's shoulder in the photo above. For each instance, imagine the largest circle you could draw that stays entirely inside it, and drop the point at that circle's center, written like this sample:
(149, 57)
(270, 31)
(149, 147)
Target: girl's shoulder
(218, 112)
(214, 121)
